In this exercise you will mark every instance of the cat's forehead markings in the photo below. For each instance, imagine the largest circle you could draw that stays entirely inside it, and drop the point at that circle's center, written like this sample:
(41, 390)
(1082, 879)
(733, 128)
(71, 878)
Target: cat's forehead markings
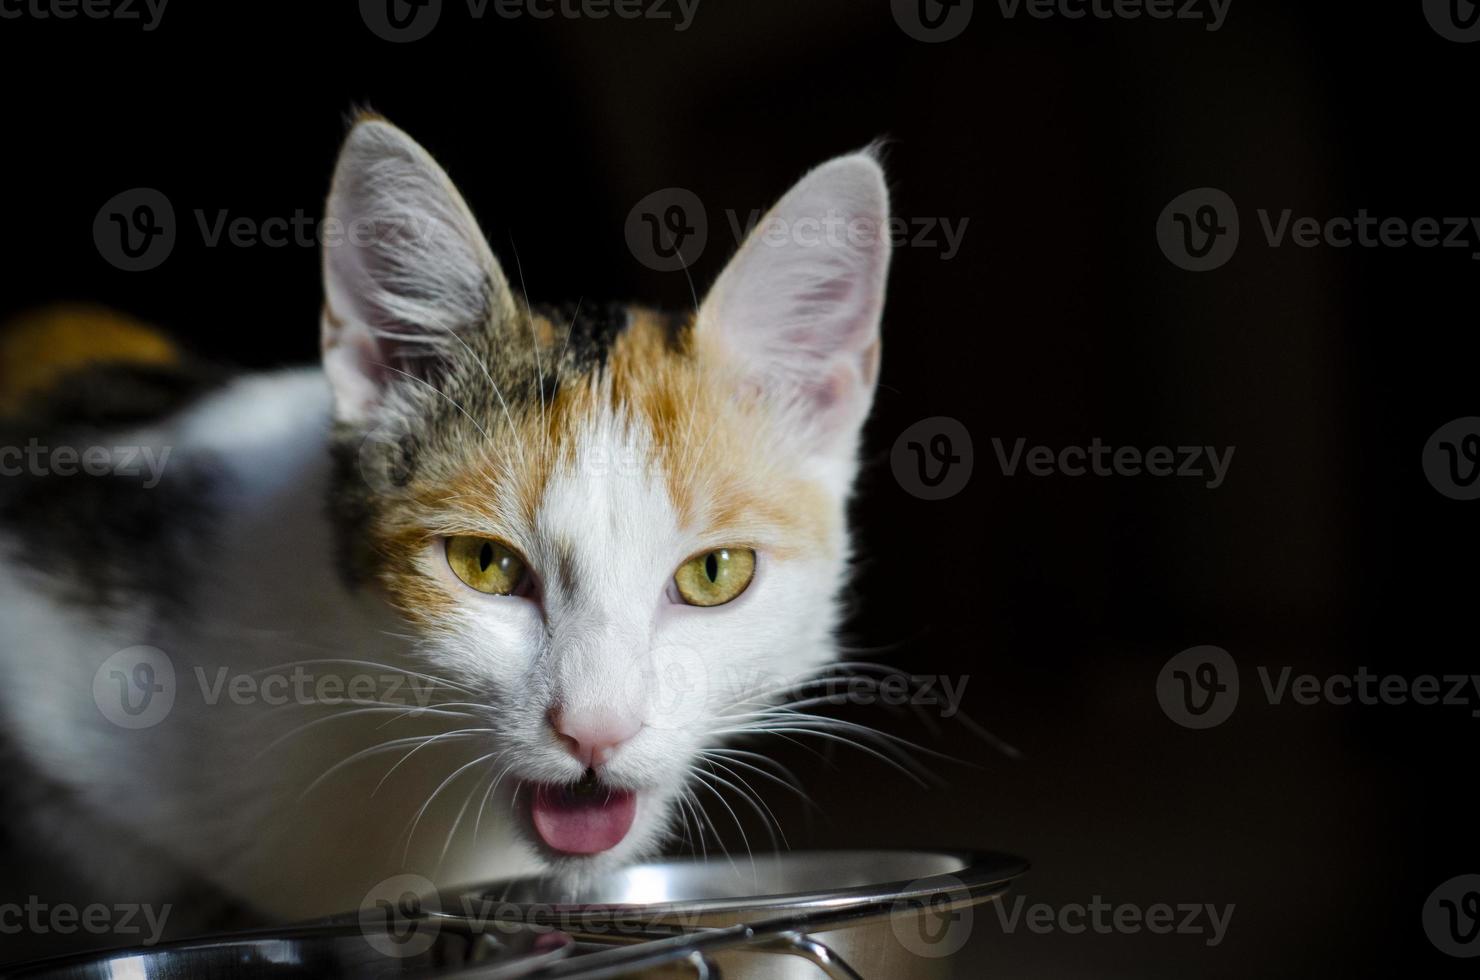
(715, 452)
(618, 381)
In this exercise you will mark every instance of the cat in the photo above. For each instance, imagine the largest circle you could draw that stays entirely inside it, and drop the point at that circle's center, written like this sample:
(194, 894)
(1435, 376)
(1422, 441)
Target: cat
(586, 545)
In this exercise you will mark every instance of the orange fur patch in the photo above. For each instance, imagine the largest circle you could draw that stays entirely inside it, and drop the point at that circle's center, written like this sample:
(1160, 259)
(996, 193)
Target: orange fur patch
(38, 350)
(715, 451)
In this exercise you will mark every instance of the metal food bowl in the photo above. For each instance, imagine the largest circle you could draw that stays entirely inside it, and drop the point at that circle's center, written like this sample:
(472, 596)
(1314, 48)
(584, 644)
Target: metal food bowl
(874, 914)
(881, 915)
(319, 952)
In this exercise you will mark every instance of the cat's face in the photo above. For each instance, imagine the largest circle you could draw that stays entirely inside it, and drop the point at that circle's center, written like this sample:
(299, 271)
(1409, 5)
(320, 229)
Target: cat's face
(624, 531)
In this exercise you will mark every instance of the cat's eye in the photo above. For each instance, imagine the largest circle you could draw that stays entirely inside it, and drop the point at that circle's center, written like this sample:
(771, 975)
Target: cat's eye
(715, 577)
(486, 564)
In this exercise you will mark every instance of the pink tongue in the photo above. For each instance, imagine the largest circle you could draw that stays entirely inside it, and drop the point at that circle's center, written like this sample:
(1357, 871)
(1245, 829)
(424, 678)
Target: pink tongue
(582, 823)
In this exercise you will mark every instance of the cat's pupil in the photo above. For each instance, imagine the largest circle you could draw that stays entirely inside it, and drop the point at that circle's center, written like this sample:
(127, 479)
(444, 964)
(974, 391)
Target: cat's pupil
(711, 566)
(485, 557)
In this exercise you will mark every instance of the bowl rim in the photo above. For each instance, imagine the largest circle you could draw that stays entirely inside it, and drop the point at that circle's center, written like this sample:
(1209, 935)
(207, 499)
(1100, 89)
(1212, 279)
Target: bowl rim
(982, 875)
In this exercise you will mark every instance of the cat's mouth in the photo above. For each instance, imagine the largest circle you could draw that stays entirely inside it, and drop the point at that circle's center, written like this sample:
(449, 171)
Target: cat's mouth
(584, 818)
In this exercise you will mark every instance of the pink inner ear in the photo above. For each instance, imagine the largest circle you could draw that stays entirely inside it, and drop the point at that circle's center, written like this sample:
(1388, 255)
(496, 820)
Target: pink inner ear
(836, 290)
(834, 388)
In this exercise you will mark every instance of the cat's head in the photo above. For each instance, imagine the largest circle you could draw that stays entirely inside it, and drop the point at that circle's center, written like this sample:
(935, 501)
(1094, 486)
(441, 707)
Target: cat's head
(625, 530)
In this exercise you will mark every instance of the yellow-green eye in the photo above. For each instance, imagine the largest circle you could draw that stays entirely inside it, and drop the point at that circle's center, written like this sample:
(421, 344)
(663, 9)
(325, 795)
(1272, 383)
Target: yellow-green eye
(715, 577)
(485, 564)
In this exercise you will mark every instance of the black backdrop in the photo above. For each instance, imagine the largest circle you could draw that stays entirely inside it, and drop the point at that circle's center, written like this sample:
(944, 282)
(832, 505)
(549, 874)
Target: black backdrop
(1059, 320)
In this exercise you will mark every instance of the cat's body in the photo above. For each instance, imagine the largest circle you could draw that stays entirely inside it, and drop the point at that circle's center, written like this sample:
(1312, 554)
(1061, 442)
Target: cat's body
(306, 525)
(188, 797)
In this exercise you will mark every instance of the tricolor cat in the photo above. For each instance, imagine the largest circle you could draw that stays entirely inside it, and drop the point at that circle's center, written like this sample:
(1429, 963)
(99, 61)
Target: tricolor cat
(586, 546)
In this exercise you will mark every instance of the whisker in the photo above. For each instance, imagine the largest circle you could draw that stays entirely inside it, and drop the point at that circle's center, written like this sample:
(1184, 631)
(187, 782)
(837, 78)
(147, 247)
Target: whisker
(411, 834)
(749, 794)
(433, 739)
(340, 716)
(364, 753)
(443, 682)
(452, 401)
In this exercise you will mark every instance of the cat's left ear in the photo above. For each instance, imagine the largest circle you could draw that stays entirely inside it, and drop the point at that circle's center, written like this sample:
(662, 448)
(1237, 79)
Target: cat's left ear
(798, 307)
(406, 271)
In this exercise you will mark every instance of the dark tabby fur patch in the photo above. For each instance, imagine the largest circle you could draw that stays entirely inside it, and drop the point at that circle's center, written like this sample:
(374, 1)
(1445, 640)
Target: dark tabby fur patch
(110, 537)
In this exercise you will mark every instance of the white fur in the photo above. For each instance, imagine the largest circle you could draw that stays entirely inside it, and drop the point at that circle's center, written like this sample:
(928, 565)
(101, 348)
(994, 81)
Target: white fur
(194, 793)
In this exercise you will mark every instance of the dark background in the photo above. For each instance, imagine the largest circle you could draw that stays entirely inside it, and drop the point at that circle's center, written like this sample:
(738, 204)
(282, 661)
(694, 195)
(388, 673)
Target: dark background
(1059, 320)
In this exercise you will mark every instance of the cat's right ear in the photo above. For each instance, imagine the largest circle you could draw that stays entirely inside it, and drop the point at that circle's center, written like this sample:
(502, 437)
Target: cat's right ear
(405, 269)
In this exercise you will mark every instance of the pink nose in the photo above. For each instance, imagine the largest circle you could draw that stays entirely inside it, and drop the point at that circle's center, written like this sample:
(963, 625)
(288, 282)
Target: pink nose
(591, 738)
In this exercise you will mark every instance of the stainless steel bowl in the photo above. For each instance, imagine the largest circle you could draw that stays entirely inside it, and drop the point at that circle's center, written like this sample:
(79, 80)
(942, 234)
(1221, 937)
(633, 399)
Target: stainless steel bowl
(876, 914)
(319, 952)
(845, 914)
